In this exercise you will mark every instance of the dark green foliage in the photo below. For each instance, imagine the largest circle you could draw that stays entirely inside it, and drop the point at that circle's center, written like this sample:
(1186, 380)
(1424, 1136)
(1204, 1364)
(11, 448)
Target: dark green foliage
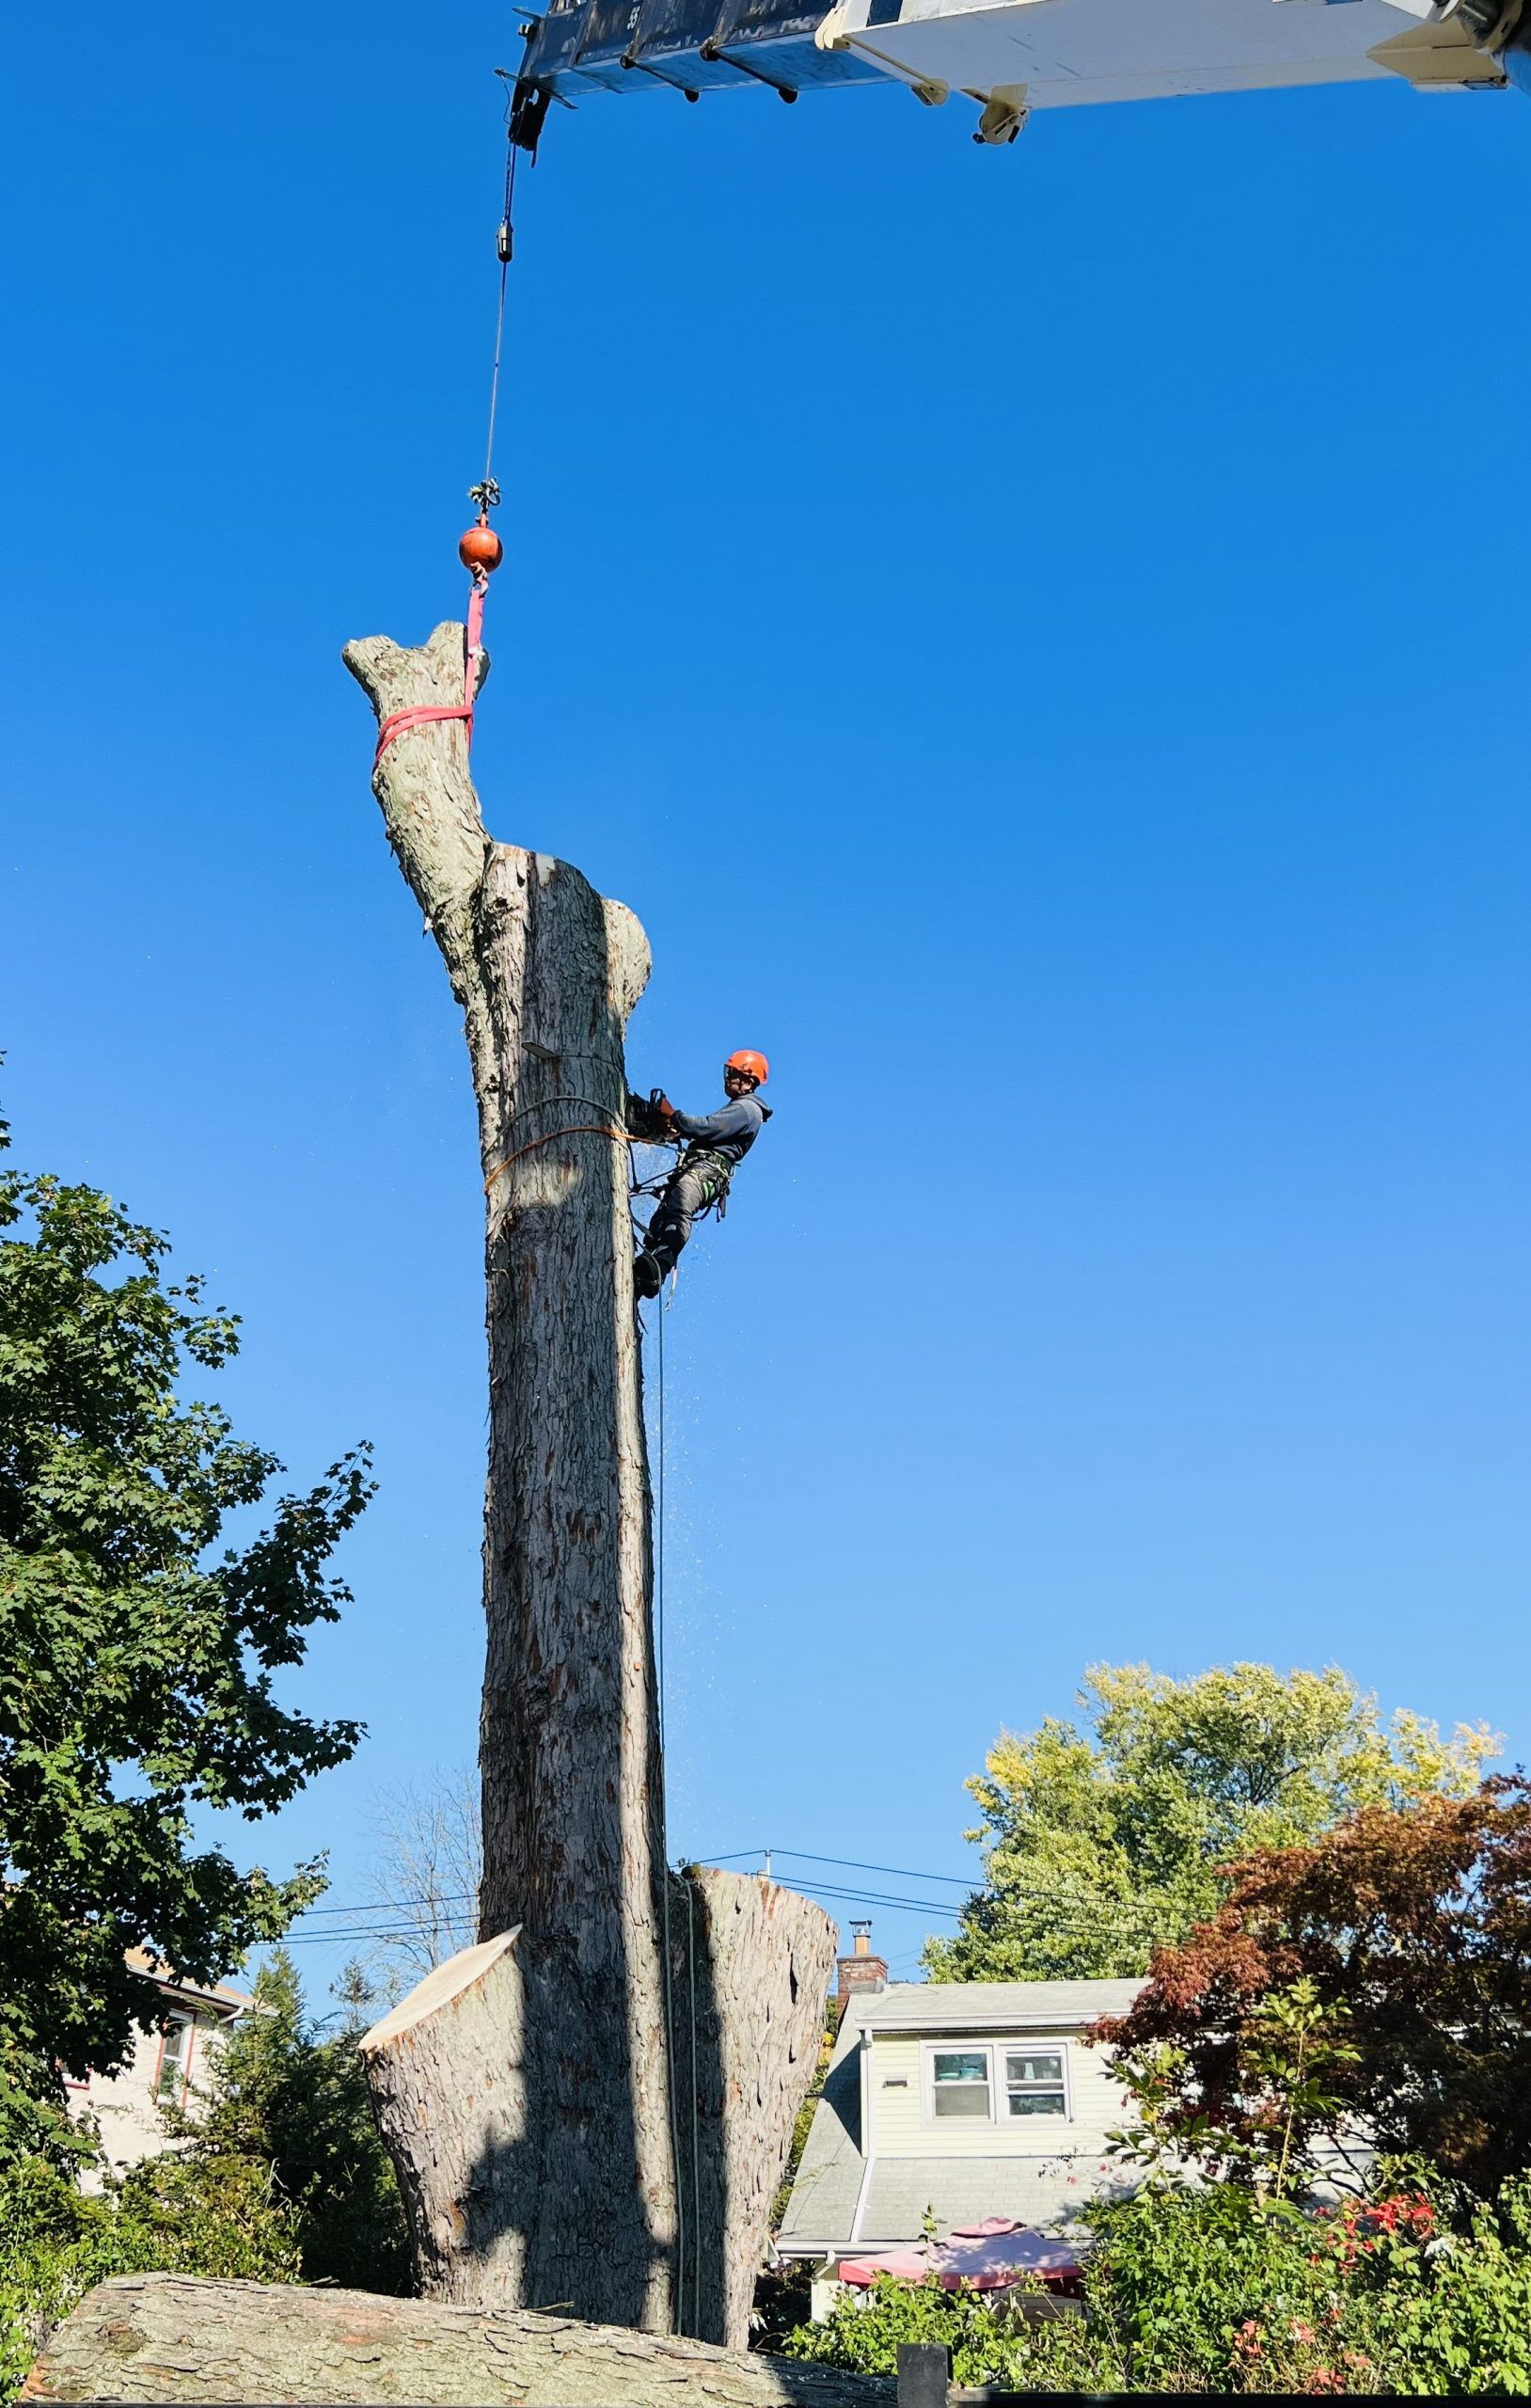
(217, 2216)
(135, 1668)
(286, 2094)
(1215, 2291)
(783, 2303)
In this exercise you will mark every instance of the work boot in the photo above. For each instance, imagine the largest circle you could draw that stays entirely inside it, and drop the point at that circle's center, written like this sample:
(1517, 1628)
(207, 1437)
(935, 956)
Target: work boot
(648, 1278)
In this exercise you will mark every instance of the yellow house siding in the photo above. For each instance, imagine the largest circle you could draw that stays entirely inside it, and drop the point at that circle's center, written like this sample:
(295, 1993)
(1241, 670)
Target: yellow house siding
(895, 2073)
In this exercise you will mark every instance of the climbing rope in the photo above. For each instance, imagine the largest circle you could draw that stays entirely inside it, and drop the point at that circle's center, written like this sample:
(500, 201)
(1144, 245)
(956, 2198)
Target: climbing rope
(678, 2304)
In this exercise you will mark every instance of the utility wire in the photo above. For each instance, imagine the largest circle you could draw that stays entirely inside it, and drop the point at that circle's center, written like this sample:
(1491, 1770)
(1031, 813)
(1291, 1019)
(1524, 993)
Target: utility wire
(851, 1863)
(801, 1856)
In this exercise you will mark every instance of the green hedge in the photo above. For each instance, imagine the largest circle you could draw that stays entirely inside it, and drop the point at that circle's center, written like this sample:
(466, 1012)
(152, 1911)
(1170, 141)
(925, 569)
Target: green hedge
(1215, 2291)
(173, 2214)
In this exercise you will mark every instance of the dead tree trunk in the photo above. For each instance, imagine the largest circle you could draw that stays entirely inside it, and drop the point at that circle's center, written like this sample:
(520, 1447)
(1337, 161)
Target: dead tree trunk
(556, 2181)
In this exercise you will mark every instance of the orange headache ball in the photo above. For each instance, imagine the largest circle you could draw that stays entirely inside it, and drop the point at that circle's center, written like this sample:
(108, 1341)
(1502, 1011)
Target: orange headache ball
(481, 548)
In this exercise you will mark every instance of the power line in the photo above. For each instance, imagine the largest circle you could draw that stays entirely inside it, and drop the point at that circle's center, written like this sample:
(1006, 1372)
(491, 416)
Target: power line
(851, 1864)
(1065, 1917)
(798, 1856)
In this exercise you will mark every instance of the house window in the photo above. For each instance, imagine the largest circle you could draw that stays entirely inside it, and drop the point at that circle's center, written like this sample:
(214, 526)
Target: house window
(175, 2058)
(996, 2083)
(1033, 2082)
(960, 2082)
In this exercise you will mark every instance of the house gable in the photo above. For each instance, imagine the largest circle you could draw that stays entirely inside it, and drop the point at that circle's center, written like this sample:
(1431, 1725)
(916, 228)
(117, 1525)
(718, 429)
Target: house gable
(1026, 2140)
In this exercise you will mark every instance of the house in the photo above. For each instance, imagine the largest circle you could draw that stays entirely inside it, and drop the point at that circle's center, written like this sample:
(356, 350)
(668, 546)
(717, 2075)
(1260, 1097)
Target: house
(958, 2099)
(188, 2026)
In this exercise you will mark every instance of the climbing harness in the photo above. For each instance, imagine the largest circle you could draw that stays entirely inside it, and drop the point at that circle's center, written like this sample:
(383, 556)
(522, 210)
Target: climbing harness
(479, 549)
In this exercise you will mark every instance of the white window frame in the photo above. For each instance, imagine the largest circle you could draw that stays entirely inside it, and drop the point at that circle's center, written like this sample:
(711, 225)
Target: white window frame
(998, 2118)
(172, 2074)
(1020, 2047)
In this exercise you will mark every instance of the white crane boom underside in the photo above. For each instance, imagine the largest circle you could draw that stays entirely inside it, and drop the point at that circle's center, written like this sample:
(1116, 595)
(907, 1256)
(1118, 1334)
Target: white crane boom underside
(1036, 54)
(1065, 52)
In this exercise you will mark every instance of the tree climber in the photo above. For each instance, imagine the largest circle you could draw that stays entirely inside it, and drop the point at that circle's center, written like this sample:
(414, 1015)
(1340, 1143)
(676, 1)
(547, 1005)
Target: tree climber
(715, 1147)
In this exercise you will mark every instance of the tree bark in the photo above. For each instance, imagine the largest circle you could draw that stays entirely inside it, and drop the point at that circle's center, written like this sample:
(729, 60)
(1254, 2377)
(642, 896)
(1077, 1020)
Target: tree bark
(171, 2337)
(750, 1963)
(552, 2178)
(751, 1966)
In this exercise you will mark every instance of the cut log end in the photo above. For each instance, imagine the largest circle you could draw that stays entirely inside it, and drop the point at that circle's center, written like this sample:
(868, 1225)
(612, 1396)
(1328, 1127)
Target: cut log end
(439, 1988)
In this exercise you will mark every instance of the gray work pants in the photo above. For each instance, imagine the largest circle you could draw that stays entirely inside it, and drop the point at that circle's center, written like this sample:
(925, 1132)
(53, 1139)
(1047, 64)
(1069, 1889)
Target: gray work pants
(698, 1182)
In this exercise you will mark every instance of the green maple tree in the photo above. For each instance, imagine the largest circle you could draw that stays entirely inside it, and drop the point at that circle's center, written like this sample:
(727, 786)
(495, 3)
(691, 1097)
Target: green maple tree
(1102, 1842)
(137, 1662)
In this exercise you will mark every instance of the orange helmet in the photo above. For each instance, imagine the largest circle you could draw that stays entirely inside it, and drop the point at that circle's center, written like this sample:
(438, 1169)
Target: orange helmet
(754, 1066)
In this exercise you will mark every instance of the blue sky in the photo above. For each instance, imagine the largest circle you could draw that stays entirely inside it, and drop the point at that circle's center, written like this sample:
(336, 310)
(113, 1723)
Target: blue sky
(1034, 633)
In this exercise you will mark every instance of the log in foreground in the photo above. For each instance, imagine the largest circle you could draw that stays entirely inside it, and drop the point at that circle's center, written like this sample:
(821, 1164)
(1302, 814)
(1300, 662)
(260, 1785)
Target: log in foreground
(173, 2337)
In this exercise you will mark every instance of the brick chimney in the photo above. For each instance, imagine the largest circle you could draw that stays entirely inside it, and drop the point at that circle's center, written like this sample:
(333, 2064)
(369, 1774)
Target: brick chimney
(861, 1971)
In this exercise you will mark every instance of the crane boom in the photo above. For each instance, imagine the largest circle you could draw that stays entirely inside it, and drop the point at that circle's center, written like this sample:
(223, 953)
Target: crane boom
(1014, 56)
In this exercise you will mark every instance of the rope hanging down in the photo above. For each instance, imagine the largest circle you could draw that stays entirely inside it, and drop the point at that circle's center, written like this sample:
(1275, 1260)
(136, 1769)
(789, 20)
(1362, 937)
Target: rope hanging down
(481, 550)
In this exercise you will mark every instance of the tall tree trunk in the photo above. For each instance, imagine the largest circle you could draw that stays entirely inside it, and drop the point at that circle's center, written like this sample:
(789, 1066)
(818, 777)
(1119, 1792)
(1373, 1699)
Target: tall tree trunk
(552, 2178)
(547, 973)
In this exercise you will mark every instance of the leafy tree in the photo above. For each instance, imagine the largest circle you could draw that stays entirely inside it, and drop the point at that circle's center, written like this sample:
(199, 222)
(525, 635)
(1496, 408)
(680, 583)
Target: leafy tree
(135, 1668)
(291, 2099)
(1100, 1842)
(1405, 1933)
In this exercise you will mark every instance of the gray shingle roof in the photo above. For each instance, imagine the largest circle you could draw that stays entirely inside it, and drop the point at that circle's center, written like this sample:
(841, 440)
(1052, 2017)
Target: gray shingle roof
(994, 2006)
(964, 2189)
(822, 2206)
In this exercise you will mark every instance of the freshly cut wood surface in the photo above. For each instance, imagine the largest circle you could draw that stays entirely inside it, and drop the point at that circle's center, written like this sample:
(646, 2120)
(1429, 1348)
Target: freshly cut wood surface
(172, 2338)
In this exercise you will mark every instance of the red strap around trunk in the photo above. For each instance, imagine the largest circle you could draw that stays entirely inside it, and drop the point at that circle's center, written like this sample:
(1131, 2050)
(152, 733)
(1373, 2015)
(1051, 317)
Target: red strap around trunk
(400, 723)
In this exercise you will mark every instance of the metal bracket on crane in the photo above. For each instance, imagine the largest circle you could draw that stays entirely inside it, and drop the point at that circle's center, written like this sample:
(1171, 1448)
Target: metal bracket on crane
(712, 50)
(833, 34)
(1005, 111)
(641, 66)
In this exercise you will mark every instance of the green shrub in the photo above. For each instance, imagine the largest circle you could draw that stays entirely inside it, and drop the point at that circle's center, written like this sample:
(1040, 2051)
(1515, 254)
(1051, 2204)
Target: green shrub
(1217, 2291)
(195, 2216)
(287, 2094)
(1469, 2328)
(861, 2333)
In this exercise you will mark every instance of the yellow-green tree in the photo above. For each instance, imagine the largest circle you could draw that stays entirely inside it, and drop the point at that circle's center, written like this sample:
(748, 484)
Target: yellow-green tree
(1103, 1837)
